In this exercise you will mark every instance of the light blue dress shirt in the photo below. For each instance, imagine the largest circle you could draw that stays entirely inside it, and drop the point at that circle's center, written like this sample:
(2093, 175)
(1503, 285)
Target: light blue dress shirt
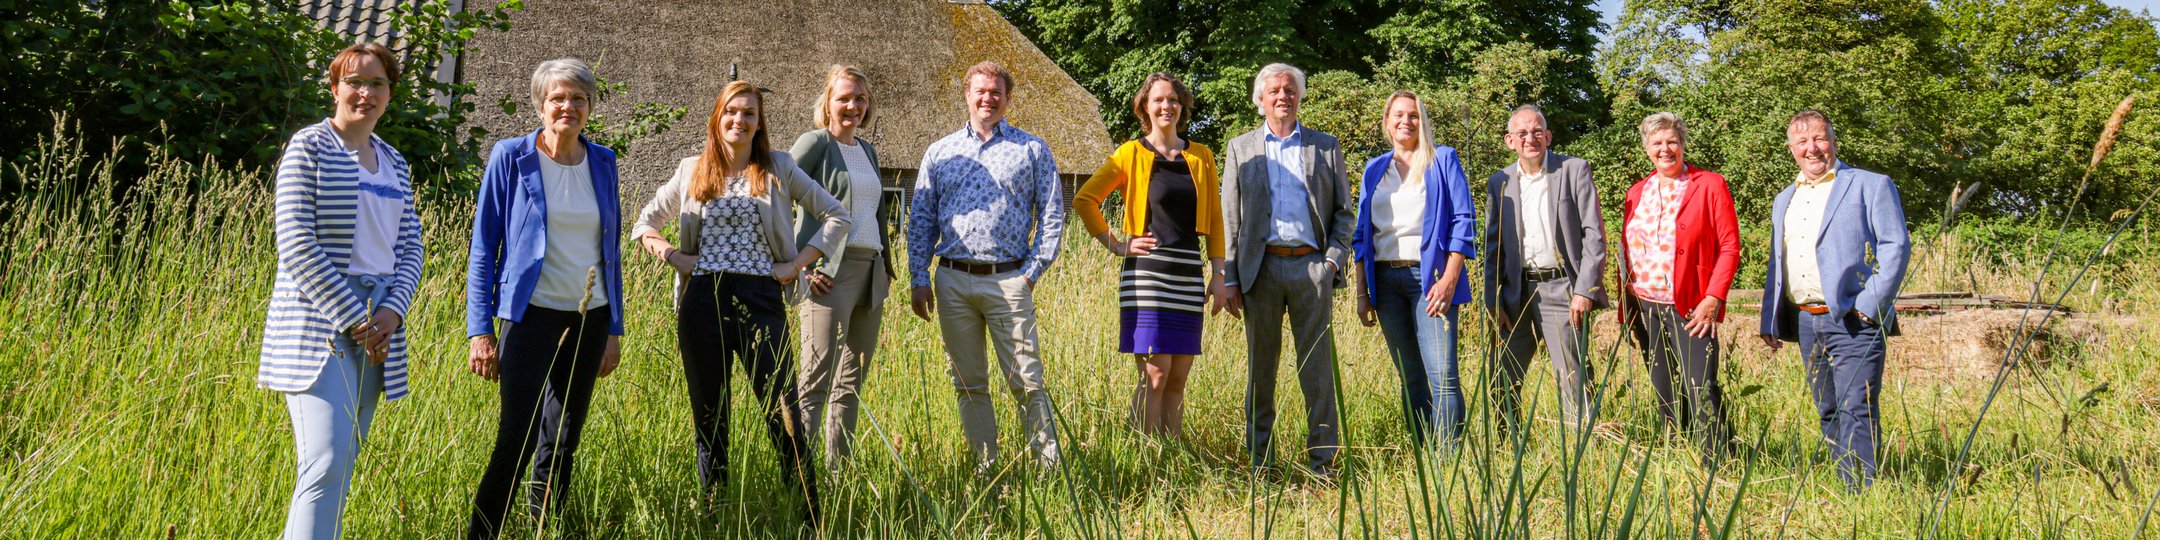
(986, 202)
(1286, 189)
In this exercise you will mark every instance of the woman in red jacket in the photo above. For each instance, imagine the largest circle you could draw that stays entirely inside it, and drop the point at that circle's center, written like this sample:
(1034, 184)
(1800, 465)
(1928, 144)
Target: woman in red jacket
(1680, 244)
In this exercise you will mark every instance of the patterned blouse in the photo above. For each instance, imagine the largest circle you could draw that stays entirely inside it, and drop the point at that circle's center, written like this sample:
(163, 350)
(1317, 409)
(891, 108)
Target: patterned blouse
(731, 240)
(1651, 241)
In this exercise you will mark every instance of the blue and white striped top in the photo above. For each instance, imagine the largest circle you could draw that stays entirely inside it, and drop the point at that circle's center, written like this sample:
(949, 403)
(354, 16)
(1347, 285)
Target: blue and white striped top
(318, 194)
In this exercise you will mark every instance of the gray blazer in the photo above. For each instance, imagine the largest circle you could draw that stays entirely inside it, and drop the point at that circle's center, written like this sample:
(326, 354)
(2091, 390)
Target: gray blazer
(1248, 212)
(788, 187)
(1579, 231)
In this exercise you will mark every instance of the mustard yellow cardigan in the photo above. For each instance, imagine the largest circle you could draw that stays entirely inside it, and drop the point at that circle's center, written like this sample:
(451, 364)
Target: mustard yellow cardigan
(1130, 166)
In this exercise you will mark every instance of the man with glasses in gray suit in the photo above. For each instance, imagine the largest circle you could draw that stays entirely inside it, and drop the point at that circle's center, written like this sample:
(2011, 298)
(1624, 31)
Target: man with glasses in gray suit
(1546, 245)
(1286, 209)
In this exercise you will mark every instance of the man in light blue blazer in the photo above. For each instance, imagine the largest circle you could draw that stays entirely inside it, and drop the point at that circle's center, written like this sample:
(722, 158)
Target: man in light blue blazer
(1825, 290)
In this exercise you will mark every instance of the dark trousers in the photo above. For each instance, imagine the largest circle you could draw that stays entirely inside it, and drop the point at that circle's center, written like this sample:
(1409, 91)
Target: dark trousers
(1690, 399)
(1844, 366)
(547, 366)
(742, 316)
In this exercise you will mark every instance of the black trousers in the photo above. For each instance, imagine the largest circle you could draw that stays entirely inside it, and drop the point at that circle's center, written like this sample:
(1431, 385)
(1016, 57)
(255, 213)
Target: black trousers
(742, 316)
(1691, 399)
(547, 367)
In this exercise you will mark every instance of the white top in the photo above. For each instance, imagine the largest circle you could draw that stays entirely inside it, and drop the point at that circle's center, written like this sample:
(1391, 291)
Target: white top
(1803, 227)
(1537, 222)
(864, 191)
(375, 226)
(573, 239)
(1398, 217)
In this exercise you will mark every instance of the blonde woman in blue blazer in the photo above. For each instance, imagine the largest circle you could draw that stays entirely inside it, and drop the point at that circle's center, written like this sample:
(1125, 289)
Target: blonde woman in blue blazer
(348, 253)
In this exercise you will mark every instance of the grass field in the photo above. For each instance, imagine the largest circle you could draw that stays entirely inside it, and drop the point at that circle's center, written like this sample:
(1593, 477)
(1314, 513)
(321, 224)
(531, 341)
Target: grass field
(128, 410)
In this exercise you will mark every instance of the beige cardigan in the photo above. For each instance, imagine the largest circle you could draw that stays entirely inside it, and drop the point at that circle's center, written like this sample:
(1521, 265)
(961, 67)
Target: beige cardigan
(788, 186)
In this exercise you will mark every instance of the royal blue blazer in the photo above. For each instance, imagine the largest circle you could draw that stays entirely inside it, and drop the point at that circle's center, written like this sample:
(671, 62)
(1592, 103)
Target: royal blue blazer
(1450, 223)
(509, 234)
(1864, 217)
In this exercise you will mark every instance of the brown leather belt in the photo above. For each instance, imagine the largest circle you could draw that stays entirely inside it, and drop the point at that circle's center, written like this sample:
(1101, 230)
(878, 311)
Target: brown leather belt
(1814, 308)
(1397, 264)
(1543, 274)
(980, 269)
(1299, 251)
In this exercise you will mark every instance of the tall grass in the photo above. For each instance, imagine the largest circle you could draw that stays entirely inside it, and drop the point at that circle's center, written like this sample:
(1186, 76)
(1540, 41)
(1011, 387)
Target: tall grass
(127, 409)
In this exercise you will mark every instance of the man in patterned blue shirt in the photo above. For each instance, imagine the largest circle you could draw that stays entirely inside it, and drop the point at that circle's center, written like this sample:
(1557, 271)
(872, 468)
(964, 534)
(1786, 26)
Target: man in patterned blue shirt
(987, 205)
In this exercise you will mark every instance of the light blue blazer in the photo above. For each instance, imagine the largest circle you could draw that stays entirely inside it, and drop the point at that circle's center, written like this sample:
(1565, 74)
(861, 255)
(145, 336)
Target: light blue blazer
(509, 234)
(1865, 218)
(317, 202)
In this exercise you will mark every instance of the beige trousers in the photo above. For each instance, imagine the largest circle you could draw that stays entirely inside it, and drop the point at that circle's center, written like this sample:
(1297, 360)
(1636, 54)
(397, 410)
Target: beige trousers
(840, 333)
(999, 308)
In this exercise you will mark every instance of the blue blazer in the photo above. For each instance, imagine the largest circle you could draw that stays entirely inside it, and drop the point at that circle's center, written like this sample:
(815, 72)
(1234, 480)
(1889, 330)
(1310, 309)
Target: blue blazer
(1864, 215)
(318, 199)
(1450, 224)
(509, 234)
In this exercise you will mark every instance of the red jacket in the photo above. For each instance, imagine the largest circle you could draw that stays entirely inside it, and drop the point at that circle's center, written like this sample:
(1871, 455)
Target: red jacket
(1706, 238)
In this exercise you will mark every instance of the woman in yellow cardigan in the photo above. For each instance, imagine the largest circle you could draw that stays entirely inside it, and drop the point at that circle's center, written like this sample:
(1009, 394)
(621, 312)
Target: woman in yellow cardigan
(1169, 186)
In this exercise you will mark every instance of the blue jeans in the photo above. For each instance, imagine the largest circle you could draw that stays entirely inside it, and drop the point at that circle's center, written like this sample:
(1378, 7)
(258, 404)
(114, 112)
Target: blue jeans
(1844, 366)
(1424, 350)
(329, 420)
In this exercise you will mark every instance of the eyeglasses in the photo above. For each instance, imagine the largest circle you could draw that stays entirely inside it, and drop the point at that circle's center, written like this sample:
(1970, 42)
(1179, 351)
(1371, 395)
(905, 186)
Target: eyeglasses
(370, 83)
(1526, 133)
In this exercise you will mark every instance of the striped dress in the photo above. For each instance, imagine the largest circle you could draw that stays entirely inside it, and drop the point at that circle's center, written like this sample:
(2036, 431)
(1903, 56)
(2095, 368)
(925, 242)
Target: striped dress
(1162, 295)
(317, 202)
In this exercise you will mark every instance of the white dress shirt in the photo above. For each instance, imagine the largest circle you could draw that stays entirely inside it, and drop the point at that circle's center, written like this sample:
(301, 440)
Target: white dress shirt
(1398, 215)
(1537, 222)
(1803, 226)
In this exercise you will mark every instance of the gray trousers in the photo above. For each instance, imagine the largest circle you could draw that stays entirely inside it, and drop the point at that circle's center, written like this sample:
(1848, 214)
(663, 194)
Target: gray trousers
(1001, 309)
(840, 332)
(1543, 315)
(1301, 287)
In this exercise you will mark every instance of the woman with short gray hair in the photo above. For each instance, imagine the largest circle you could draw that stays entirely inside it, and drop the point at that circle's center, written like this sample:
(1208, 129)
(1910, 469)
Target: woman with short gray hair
(546, 260)
(1679, 249)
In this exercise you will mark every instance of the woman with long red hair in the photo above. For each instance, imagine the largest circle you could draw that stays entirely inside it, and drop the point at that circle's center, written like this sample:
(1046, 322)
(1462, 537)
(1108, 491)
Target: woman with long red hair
(736, 262)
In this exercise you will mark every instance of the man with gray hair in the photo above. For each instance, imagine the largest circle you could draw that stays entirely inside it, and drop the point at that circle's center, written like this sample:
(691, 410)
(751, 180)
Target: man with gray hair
(1286, 209)
(1838, 248)
(1546, 243)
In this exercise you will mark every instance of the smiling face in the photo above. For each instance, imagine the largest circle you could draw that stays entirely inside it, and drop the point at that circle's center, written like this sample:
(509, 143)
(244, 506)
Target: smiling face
(1164, 110)
(565, 108)
(1813, 148)
(1279, 98)
(1402, 123)
(739, 119)
(847, 105)
(1666, 151)
(362, 93)
(986, 96)
(1526, 135)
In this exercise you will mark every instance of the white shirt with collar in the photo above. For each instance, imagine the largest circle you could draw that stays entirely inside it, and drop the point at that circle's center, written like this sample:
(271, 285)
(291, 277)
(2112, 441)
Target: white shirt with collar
(1803, 227)
(1538, 250)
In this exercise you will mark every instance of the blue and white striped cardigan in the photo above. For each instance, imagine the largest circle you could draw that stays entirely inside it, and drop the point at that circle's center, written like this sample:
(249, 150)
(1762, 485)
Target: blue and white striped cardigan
(318, 197)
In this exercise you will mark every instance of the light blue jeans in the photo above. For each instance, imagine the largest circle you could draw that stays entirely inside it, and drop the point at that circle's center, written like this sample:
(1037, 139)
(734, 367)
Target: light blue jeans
(329, 420)
(1423, 347)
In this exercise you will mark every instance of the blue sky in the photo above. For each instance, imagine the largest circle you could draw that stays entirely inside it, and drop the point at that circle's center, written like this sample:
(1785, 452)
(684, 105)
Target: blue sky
(1611, 8)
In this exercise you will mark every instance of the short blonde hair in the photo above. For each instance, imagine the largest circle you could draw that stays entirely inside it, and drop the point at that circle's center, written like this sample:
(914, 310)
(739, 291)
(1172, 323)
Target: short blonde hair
(989, 69)
(1660, 122)
(821, 117)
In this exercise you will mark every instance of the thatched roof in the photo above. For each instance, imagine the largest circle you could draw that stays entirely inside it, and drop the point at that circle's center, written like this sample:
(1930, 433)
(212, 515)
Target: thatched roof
(678, 52)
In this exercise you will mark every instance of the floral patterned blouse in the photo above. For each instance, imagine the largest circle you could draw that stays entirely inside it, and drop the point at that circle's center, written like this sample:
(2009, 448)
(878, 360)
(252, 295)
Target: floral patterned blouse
(731, 241)
(1651, 240)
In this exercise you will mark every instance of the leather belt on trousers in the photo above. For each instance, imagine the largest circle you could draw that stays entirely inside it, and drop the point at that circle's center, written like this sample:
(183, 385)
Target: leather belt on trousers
(980, 269)
(1398, 264)
(1281, 251)
(1544, 274)
(1814, 308)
